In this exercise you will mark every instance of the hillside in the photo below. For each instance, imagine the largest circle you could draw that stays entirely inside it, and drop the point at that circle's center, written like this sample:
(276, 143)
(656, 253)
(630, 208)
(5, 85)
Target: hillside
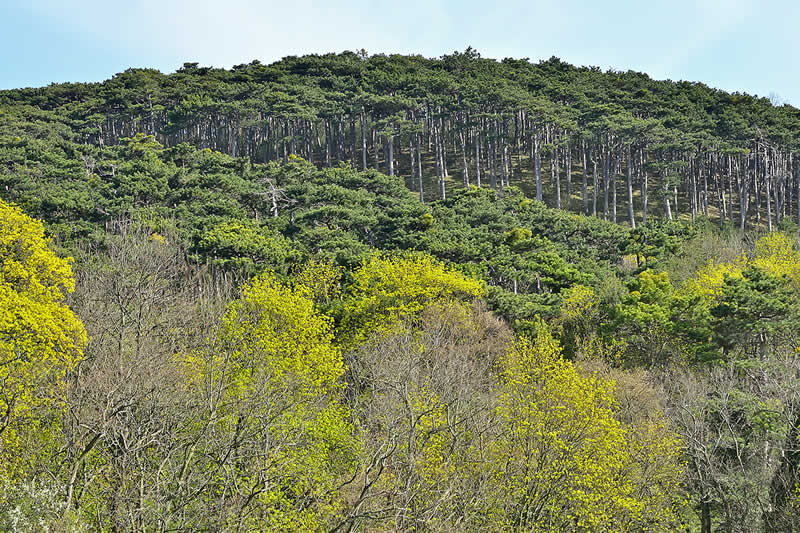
(615, 143)
(380, 293)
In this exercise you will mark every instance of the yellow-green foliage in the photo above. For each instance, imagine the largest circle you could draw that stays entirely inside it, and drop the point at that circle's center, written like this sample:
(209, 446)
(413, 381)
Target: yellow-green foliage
(657, 470)
(649, 299)
(387, 288)
(777, 254)
(708, 281)
(278, 332)
(579, 320)
(563, 461)
(275, 376)
(40, 337)
(578, 303)
(321, 278)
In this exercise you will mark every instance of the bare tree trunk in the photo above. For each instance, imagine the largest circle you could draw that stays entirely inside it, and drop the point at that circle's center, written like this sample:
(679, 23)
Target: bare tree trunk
(353, 144)
(375, 149)
(555, 176)
(705, 517)
(477, 141)
(768, 185)
(594, 183)
(694, 204)
(629, 175)
(744, 195)
(412, 163)
(364, 139)
(667, 209)
(705, 192)
(644, 178)
(517, 139)
(730, 190)
(419, 168)
(675, 201)
(506, 164)
(327, 144)
(440, 168)
(568, 169)
(464, 158)
(613, 177)
(584, 191)
(537, 164)
(606, 170)
(797, 184)
(437, 157)
(492, 149)
(390, 162)
(757, 187)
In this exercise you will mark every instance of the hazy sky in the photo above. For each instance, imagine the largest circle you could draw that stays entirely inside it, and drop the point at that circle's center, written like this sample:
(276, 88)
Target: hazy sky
(743, 45)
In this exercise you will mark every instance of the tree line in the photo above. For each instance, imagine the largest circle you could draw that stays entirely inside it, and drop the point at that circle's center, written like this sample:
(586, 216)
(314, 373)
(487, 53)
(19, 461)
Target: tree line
(615, 144)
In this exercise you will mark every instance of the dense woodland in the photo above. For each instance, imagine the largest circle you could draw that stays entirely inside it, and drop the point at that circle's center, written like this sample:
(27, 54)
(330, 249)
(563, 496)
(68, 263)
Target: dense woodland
(390, 293)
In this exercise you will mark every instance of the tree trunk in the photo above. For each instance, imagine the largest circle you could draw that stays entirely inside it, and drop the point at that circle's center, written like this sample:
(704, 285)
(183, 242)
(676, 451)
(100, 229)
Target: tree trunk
(606, 171)
(667, 209)
(705, 517)
(643, 176)
(629, 176)
(584, 191)
(492, 149)
(537, 164)
(353, 143)
(606, 165)
(419, 168)
(594, 183)
(364, 139)
(744, 195)
(464, 158)
(327, 144)
(730, 190)
(613, 179)
(412, 164)
(555, 176)
(768, 185)
(390, 162)
(705, 192)
(568, 170)
(375, 149)
(477, 141)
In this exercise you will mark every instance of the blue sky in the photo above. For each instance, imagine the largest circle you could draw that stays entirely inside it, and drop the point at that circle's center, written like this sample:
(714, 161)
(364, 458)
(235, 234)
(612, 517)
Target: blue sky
(736, 45)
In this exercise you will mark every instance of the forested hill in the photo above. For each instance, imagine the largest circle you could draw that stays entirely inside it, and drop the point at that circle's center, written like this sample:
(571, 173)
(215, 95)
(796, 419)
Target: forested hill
(390, 293)
(617, 144)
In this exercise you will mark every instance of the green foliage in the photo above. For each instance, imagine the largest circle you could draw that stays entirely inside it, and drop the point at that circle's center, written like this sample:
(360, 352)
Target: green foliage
(754, 311)
(246, 248)
(654, 241)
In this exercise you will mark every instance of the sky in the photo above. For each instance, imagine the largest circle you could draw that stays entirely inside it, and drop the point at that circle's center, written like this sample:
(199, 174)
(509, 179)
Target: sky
(734, 45)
